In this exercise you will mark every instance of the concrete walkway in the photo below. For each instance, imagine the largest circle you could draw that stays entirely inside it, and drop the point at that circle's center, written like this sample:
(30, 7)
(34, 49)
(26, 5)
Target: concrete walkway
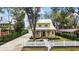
(16, 44)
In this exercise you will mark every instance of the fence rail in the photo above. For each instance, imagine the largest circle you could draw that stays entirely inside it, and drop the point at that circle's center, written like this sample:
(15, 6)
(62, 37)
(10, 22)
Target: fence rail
(63, 43)
(35, 44)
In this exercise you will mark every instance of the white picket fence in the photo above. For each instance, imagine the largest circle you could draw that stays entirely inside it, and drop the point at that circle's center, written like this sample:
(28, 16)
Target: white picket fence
(63, 43)
(35, 44)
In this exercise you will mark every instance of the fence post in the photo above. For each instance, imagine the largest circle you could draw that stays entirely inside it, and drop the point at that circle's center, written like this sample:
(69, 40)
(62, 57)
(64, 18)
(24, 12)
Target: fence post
(48, 46)
(64, 42)
(75, 42)
(53, 42)
(35, 43)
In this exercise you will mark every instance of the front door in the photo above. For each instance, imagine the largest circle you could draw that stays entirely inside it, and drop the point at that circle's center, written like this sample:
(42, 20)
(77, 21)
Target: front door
(43, 33)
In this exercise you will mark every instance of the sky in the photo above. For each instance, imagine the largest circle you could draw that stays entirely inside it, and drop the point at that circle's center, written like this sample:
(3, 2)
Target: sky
(43, 10)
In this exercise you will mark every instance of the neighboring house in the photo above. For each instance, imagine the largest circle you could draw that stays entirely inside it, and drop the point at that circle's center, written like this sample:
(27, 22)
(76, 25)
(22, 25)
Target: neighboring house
(5, 28)
(44, 29)
(70, 32)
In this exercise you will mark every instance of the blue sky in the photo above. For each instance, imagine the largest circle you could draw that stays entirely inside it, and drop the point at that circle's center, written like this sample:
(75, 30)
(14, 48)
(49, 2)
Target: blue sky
(44, 9)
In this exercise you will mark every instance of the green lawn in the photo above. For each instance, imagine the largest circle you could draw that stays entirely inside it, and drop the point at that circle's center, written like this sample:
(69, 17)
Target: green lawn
(56, 38)
(60, 39)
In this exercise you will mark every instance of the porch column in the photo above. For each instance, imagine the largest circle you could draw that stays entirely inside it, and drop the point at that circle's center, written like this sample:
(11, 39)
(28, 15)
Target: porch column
(36, 34)
(50, 34)
(53, 34)
(8, 32)
(46, 33)
(40, 32)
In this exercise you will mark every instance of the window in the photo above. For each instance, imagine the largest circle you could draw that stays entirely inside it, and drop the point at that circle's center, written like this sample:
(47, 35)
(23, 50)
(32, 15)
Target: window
(52, 32)
(39, 25)
(37, 32)
(48, 32)
(46, 25)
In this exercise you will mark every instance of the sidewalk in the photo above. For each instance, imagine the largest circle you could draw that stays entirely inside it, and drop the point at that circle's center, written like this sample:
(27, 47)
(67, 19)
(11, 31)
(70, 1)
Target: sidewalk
(16, 44)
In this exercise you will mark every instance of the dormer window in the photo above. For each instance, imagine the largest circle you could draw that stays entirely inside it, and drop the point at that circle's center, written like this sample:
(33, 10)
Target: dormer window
(46, 25)
(39, 25)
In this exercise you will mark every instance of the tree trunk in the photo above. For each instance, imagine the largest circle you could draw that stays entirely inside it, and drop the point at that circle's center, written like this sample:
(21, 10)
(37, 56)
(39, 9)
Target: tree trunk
(34, 37)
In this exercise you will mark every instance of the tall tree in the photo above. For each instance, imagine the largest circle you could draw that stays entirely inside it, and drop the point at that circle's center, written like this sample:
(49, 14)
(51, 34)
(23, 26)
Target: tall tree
(32, 14)
(19, 25)
(19, 15)
(55, 15)
(63, 16)
(9, 15)
(46, 15)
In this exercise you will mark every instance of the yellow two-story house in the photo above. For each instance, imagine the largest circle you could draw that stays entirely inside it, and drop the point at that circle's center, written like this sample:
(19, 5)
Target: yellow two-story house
(44, 29)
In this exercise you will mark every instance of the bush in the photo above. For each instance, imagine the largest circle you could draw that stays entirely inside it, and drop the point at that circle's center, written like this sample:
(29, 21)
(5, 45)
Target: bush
(12, 36)
(67, 36)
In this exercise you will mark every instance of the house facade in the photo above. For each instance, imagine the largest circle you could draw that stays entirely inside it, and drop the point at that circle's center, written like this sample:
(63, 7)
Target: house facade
(5, 29)
(44, 29)
(69, 32)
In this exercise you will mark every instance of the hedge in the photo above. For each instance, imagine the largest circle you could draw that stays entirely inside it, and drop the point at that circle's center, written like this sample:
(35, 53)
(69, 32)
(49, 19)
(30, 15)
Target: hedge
(12, 36)
(67, 36)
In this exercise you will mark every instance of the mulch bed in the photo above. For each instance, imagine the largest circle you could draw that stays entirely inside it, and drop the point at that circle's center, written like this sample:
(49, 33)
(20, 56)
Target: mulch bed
(34, 48)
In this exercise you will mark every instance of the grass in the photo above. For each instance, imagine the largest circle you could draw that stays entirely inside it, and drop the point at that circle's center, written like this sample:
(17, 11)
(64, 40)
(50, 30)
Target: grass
(53, 49)
(60, 39)
(65, 49)
(37, 40)
(56, 38)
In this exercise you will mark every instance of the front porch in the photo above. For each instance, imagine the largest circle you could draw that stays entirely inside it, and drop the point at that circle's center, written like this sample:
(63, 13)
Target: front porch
(45, 34)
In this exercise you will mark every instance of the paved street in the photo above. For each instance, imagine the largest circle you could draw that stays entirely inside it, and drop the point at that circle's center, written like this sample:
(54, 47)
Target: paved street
(16, 44)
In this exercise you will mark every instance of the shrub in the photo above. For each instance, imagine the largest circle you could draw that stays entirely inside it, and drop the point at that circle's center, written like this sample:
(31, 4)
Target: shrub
(12, 36)
(67, 36)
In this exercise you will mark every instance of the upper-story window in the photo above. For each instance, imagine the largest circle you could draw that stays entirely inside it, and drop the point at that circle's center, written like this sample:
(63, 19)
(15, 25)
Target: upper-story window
(39, 25)
(43, 25)
(46, 25)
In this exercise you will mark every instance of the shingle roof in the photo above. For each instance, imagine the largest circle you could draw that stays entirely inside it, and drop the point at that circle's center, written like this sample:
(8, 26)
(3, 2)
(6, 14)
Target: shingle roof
(45, 21)
(68, 30)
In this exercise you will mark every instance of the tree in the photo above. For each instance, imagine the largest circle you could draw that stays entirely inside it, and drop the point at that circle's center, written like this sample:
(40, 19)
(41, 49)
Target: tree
(63, 16)
(70, 9)
(55, 13)
(46, 15)
(19, 15)
(8, 9)
(1, 10)
(19, 25)
(55, 16)
(32, 14)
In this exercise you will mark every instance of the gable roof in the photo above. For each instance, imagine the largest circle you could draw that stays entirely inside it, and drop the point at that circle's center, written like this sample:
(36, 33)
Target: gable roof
(45, 21)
